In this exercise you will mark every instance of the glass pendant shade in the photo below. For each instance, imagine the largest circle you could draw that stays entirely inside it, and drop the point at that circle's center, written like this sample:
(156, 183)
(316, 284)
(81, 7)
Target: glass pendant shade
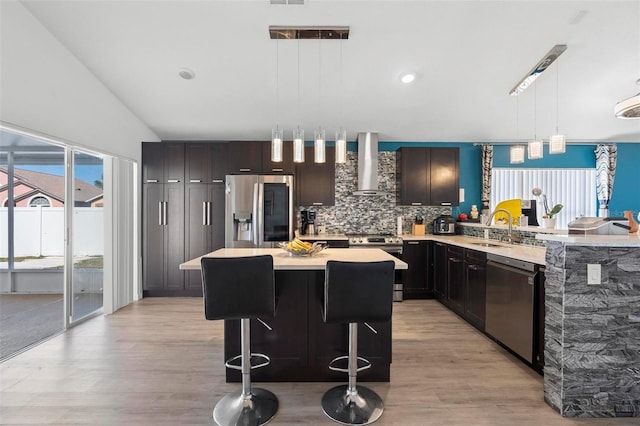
(276, 145)
(535, 150)
(557, 144)
(298, 145)
(516, 154)
(341, 146)
(319, 151)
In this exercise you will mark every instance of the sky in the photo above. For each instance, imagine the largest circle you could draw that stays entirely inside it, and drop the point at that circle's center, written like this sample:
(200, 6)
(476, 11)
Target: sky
(87, 173)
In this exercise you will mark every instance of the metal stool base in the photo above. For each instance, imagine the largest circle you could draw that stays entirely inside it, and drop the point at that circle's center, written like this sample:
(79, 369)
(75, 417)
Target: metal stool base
(234, 409)
(360, 409)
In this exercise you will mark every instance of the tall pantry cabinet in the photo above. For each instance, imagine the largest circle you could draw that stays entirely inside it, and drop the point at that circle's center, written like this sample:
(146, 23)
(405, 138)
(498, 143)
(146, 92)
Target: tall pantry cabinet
(183, 213)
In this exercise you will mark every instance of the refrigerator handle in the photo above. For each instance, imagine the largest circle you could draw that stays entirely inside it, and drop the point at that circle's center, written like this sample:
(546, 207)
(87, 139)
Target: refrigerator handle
(209, 204)
(260, 217)
(166, 221)
(204, 213)
(254, 215)
(160, 215)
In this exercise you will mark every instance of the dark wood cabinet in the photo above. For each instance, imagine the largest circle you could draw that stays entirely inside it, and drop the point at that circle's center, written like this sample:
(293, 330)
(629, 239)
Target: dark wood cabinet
(180, 220)
(417, 281)
(475, 287)
(204, 226)
(163, 243)
(440, 272)
(412, 175)
(163, 162)
(205, 162)
(427, 176)
(287, 164)
(315, 182)
(445, 176)
(245, 157)
(456, 275)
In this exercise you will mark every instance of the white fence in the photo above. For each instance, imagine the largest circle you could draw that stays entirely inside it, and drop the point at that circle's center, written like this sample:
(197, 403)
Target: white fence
(39, 231)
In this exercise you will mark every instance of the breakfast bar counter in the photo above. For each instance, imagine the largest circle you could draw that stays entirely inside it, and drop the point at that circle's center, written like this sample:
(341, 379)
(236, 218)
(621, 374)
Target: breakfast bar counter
(300, 344)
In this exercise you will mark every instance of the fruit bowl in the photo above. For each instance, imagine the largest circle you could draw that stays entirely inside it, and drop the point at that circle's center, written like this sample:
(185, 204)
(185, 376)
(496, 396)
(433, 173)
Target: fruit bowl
(301, 248)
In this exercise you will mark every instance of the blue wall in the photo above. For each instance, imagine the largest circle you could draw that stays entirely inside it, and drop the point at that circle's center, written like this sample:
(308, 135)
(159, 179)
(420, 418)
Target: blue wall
(626, 187)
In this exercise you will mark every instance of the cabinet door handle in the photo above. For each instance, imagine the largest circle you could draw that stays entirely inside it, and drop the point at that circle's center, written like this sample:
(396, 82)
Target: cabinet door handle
(473, 267)
(173, 180)
(217, 181)
(204, 213)
(160, 215)
(166, 219)
(209, 204)
(454, 260)
(416, 204)
(277, 170)
(245, 170)
(446, 203)
(195, 180)
(152, 180)
(316, 204)
(413, 242)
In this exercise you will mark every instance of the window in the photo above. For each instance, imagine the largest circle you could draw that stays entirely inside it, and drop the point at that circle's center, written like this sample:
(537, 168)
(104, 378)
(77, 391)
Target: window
(39, 201)
(575, 189)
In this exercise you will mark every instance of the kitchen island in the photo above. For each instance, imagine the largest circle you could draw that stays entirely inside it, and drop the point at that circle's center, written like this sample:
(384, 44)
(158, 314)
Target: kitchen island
(300, 344)
(592, 325)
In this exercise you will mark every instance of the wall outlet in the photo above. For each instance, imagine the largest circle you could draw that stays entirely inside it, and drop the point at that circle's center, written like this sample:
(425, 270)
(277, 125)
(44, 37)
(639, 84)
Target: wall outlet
(486, 234)
(594, 273)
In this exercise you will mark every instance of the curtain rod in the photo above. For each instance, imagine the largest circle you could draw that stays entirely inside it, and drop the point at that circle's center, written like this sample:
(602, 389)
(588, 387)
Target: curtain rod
(568, 143)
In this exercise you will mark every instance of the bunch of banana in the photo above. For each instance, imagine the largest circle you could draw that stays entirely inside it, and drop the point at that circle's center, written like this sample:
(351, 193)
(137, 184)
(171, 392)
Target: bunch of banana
(299, 246)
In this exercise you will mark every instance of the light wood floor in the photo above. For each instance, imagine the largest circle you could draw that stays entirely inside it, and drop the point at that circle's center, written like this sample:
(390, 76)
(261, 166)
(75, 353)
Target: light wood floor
(159, 362)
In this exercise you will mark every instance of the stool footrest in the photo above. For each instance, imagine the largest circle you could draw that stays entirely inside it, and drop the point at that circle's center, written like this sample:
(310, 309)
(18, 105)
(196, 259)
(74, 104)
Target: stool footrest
(365, 364)
(230, 361)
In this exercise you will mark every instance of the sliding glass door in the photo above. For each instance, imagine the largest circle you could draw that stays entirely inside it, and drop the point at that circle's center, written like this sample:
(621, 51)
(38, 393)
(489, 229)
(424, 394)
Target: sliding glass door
(87, 244)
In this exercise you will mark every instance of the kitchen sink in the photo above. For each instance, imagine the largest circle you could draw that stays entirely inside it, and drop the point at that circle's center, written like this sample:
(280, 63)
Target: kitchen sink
(487, 245)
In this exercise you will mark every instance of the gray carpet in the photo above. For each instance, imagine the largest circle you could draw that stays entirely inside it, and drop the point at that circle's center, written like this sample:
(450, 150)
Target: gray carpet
(26, 319)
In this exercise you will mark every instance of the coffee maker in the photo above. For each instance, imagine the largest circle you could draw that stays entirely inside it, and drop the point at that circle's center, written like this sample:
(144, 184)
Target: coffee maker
(308, 222)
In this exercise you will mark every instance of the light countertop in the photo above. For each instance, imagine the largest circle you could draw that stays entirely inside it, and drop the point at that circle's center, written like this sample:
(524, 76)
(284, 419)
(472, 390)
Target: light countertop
(631, 240)
(536, 229)
(514, 251)
(328, 237)
(284, 261)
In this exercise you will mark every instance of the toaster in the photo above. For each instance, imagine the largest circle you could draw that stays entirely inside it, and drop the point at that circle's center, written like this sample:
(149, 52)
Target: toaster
(444, 225)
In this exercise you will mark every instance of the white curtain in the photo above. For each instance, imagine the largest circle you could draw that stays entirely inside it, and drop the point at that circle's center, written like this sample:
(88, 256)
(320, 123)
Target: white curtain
(575, 189)
(121, 242)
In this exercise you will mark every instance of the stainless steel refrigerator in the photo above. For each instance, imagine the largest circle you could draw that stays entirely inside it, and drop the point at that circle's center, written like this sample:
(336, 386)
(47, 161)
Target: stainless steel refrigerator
(259, 210)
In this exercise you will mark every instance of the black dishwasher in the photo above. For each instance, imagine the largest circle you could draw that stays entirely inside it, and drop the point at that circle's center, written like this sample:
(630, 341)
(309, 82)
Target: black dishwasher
(510, 303)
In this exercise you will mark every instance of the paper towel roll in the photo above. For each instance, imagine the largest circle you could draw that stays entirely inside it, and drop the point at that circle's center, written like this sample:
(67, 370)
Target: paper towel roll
(399, 229)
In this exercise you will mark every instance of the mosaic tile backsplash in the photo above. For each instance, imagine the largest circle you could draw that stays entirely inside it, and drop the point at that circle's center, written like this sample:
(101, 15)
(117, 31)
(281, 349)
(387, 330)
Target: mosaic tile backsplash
(369, 214)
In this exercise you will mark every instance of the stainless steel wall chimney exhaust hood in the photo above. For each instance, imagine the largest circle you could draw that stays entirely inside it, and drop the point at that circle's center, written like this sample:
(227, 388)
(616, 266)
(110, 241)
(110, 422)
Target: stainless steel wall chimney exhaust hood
(368, 165)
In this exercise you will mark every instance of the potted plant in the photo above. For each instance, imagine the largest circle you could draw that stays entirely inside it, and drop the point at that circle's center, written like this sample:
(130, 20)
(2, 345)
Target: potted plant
(549, 219)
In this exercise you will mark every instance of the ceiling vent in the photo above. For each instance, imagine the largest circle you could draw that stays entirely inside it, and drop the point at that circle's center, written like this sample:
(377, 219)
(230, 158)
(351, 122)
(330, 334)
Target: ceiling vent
(289, 2)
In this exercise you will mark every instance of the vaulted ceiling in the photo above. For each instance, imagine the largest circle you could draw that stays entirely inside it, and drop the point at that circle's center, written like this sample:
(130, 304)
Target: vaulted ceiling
(467, 55)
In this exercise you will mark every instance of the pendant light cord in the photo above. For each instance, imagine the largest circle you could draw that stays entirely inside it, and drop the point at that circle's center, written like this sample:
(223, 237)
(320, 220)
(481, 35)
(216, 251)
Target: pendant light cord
(277, 81)
(535, 111)
(341, 95)
(319, 78)
(557, 90)
(299, 111)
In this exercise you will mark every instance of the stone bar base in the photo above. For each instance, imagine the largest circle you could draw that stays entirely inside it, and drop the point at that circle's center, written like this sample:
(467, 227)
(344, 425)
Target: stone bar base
(592, 332)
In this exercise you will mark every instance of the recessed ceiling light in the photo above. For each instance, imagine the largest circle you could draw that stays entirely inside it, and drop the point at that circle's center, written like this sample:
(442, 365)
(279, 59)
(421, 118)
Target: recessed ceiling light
(408, 77)
(186, 73)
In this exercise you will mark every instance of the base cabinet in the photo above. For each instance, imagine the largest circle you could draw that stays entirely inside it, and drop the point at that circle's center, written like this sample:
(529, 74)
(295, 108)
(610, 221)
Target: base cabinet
(301, 345)
(417, 282)
(456, 278)
(475, 297)
(440, 272)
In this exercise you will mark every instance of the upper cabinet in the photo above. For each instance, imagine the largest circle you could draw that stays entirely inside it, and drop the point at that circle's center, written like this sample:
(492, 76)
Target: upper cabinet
(286, 166)
(427, 176)
(162, 162)
(206, 162)
(315, 182)
(245, 157)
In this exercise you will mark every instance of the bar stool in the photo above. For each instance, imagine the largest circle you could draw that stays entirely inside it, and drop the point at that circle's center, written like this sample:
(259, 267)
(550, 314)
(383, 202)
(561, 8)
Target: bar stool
(241, 288)
(355, 292)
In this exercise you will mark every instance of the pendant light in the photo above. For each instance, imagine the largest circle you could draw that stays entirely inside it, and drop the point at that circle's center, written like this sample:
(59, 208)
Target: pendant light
(341, 135)
(535, 147)
(298, 133)
(319, 149)
(277, 133)
(557, 142)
